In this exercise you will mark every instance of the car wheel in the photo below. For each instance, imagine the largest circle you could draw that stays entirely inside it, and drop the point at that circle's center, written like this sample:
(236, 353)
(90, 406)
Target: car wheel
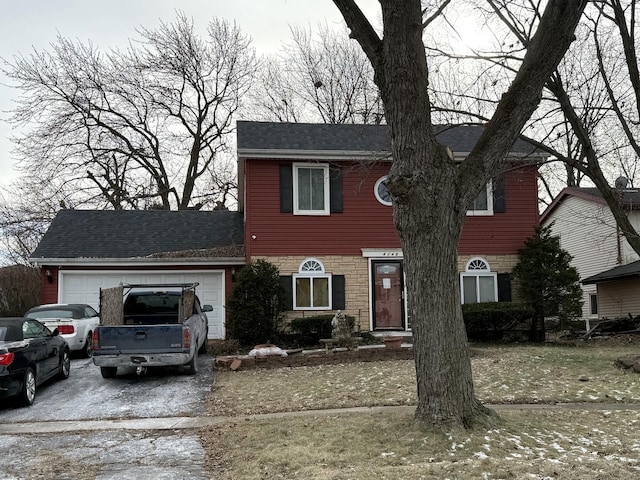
(65, 365)
(88, 347)
(108, 372)
(192, 366)
(28, 392)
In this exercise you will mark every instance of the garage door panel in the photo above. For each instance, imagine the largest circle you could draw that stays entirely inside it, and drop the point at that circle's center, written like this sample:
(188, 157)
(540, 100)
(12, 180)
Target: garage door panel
(84, 287)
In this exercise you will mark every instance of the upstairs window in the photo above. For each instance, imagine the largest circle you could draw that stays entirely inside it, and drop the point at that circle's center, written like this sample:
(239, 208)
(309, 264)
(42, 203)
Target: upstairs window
(483, 204)
(311, 287)
(310, 189)
(478, 284)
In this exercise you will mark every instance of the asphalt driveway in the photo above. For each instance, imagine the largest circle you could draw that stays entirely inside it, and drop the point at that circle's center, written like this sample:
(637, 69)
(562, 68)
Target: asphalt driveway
(117, 454)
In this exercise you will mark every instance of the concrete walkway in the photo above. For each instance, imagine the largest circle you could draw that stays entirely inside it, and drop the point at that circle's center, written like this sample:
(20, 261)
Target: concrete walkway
(180, 423)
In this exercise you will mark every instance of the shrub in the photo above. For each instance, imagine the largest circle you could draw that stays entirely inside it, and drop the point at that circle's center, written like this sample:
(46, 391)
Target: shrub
(307, 331)
(256, 305)
(491, 320)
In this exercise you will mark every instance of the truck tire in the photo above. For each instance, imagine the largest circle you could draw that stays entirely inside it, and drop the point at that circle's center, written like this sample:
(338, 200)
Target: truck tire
(108, 372)
(192, 366)
(203, 347)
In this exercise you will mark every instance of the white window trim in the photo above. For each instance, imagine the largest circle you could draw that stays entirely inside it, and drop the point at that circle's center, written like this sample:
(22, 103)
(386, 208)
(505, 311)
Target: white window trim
(377, 194)
(489, 211)
(312, 275)
(327, 192)
(478, 273)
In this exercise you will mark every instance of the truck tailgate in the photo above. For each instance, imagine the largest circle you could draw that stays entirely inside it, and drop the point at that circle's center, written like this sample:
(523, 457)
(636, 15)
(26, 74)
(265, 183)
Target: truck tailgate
(113, 340)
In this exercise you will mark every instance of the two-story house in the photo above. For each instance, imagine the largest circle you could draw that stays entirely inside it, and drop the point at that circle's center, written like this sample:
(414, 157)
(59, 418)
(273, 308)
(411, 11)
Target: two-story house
(315, 205)
(588, 231)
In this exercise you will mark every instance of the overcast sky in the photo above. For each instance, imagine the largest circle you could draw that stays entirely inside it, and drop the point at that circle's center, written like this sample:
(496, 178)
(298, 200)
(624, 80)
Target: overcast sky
(28, 24)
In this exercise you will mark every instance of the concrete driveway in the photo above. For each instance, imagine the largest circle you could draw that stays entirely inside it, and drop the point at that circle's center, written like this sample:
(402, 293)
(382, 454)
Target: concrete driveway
(109, 454)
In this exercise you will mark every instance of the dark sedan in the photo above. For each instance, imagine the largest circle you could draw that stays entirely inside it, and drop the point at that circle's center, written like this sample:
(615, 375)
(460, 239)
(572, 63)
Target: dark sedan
(30, 354)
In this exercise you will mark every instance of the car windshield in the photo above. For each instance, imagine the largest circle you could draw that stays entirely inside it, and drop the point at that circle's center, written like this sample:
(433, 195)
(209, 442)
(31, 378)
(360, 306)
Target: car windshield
(51, 314)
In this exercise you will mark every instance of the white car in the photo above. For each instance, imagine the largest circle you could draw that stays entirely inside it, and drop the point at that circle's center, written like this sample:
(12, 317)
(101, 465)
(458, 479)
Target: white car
(75, 323)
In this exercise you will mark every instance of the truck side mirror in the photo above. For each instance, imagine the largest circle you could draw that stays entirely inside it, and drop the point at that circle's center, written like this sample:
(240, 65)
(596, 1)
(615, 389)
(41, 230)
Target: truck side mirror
(207, 308)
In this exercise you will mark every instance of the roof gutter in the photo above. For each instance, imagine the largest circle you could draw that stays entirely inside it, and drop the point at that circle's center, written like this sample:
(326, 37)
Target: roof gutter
(138, 261)
(324, 155)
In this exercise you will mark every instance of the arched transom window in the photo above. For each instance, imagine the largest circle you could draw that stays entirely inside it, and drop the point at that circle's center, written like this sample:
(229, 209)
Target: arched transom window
(478, 283)
(311, 286)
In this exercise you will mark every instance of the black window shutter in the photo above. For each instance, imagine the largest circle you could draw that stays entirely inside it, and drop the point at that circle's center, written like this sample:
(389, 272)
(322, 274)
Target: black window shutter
(338, 292)
(286, 188)
(499, 200)
(504, 287)
(287, 285)
(335, 188)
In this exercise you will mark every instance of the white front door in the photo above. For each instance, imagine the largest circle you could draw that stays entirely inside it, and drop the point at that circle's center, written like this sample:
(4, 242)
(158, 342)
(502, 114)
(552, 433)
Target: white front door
(83, 286)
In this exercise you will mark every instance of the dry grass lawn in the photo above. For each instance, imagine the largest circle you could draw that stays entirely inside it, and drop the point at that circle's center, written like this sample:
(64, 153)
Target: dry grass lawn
(536, 444)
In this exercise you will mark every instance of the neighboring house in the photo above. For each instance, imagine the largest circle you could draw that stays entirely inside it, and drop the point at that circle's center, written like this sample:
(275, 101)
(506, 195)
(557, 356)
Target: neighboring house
(315, 205)
(588, 231)
(618, 291)
(84, 251)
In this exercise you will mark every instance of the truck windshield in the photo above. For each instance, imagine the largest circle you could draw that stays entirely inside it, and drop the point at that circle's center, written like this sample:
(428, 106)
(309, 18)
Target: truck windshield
(152, 303)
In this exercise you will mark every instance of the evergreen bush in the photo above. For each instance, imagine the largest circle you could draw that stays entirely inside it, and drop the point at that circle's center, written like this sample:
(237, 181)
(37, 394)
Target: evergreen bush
(256, 305)
(495, 321)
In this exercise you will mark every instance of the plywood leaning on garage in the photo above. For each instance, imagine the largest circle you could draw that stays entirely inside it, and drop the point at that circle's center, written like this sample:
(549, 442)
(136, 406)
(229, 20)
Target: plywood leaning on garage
(186, 304)
(111, 312)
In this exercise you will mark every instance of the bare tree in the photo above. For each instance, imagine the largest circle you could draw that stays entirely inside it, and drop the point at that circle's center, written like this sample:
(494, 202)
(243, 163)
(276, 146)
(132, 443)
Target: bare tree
(136, 128)
(318, 77)
(19, 290)
(431, 191)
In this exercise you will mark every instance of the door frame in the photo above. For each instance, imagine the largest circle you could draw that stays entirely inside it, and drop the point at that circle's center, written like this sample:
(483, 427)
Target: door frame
(391, 258)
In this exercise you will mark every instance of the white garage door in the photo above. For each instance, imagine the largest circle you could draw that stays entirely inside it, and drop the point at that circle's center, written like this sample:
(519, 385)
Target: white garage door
(84, 287)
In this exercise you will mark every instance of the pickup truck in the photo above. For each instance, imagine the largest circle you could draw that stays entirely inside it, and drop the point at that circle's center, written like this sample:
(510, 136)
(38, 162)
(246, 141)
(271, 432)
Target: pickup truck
(150, 325)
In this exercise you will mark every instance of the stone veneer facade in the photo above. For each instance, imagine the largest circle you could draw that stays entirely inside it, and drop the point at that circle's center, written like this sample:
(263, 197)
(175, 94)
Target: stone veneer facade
(356, 272)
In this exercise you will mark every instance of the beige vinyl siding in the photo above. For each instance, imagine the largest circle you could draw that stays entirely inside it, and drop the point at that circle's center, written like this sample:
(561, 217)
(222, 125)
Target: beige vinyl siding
(588, 232)
(628, 254)
(618, 299)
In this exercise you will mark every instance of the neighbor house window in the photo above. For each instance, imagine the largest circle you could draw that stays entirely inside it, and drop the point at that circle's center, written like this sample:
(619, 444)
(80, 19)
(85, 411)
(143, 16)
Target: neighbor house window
(593, 304)
(311, 287)
(311, 189)
(478, 284)
(483, 204)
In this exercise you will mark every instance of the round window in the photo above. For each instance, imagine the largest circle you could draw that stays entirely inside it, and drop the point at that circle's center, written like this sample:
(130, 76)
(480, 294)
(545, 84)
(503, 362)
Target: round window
(381, 192)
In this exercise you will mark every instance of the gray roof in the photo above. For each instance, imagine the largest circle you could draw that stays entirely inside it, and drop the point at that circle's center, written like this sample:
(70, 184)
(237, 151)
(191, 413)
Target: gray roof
(137, 233)
(623, 272)
(349, 137)
(630, 196)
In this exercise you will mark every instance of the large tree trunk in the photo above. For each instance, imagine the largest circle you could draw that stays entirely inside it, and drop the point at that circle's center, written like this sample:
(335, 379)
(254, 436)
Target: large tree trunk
(431, 191)
(429, 216)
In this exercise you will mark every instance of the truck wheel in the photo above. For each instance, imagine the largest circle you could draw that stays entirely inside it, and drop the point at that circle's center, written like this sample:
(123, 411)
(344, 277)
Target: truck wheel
(108, 372)
(88, 347)
(192, 366)
(28, 391)
(203, 347)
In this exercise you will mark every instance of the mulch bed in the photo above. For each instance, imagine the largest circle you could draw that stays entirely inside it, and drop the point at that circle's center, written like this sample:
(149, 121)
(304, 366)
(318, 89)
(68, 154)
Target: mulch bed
(298, 359)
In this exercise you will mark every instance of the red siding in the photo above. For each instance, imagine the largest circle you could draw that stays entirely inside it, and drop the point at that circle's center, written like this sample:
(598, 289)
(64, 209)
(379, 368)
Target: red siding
(365, 223)
(505, 233)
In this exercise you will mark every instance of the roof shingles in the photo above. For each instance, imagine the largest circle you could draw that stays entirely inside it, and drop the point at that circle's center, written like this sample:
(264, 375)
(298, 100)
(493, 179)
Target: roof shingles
(137, 233)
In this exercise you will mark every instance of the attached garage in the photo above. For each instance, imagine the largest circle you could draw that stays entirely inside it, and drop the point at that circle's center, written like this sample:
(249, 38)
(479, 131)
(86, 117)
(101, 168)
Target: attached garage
(82, 286)
(84, 251)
